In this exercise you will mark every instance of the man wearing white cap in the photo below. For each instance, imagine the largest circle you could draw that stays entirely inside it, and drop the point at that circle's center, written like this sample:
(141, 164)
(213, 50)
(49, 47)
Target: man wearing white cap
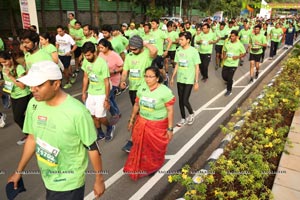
(60, 130)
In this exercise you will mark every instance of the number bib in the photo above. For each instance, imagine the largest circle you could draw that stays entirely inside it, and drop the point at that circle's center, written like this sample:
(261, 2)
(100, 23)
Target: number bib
(46, 153)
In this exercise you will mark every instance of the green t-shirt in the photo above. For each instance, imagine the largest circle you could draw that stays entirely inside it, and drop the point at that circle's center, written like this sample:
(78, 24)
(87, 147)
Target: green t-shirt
(136, 65)
(129, 33)
(9, 86)
(173, 36)
(97, 72)
(245, 36)
(78, 35)
(204, 47)
(50, 48)
(257, 49)
(1, 45)
(152, 103)
(60, 133)
(158, 38)
(90, 39)
(117, 44)
(72, 23)
(187, 59)
(221, 34)
(141, 31)
(276, 34)
(38, 56)
(192, 31)
(233, 49)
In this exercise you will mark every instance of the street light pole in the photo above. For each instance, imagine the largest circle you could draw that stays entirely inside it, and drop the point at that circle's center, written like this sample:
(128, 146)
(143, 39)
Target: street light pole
(180, 5)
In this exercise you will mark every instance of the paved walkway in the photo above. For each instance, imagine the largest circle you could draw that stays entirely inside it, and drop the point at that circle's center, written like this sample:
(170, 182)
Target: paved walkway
(287, 180)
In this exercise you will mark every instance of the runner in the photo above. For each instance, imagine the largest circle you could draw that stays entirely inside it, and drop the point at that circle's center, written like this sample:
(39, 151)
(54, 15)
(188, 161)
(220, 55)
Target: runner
(275, 35)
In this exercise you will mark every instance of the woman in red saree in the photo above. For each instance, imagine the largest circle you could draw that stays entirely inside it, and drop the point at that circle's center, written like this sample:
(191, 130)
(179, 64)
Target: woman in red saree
(152, 129)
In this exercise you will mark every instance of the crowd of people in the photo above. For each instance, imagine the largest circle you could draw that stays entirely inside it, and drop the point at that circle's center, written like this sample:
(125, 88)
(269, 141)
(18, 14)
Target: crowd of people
(37, 79)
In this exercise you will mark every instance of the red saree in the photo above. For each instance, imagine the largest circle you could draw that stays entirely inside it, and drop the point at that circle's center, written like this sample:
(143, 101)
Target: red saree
(150, 142)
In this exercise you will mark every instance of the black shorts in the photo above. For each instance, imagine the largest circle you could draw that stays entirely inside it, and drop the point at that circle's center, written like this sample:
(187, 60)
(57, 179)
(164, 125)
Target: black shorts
(76, 194)
(65, 60)
(219, 48)
(171, 54)
(255, 57)
(77, 52)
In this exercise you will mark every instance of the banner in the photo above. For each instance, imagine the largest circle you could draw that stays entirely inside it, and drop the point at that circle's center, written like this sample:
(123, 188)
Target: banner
(28, 13)
(218, 16)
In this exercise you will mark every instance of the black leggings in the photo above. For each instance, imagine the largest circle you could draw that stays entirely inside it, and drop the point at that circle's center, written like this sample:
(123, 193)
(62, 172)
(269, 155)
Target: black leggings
(19, 107)
(227, 75)
(205, 60)
(184, 93)
(132, 95)
(273, 49)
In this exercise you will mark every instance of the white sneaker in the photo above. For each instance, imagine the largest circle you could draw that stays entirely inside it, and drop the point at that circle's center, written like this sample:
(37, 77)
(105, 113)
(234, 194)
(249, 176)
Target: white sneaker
(2, 120)
(22, 141)
(181, 123)
(190, 119)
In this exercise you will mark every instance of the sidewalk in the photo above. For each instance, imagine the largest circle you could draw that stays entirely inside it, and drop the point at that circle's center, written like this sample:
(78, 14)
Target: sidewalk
(286, 184)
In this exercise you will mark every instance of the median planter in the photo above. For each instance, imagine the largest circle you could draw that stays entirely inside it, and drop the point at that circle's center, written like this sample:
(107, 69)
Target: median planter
(247, 168)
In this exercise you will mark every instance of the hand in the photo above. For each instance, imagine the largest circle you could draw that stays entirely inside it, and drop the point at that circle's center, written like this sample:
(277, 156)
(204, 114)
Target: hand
(196, 86)
(165, 54)
(123, 85)
(171, 82)
(83, 97)
(106, 104)
(14, 178)
(130, 125)
(169, 135)
(99, 188)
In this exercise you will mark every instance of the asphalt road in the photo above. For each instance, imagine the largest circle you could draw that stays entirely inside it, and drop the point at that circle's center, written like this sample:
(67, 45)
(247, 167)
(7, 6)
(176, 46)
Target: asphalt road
(211, 108)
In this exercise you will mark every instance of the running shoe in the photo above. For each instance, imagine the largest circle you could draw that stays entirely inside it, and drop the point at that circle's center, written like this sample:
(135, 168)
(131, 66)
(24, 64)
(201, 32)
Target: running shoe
(181, 123)
(101, 135)
(110, 133)
(228, 93)
(190, 119)
(256, 75)
(67, 86)
(22, 141)
(77, 70)
(2, 120)
(73, 78)
(127, 146)
(251, 80)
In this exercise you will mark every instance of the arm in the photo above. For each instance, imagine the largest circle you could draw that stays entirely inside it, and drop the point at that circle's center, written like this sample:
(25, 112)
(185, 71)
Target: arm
(28, 151)
(85, 83)
(134, 112)
(168, 47)
(123, 79)
(54, 56)
(99, 186)
(14, 80)
(196, 84)
(170, 110)
(107, 91)
(152, 50)
(173, 75)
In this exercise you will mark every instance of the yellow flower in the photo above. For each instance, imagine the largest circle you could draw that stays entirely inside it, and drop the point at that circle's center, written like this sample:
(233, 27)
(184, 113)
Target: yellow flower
(170, 179)
(269, 131)
(269, 145)
(229, 163)
(216, 192)
(193, 192)
(297, 92)
(198, 179)
(184, 171)
(270, 100)
(285, 100)
(184, 176)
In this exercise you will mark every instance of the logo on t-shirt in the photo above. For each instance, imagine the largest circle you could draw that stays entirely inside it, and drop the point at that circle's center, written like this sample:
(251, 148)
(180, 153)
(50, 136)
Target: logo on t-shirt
(42, 120)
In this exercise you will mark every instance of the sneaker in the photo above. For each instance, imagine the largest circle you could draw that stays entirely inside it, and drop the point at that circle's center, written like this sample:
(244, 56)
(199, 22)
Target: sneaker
(2, 120)
(181, 123)
(67, 86)
(101, 135)
(110, 133)
(228, 93)
(190, 119)
(127, 146)
(256, 75)
(251, 80)
(77, 71)
(73, 78)
(22, 141)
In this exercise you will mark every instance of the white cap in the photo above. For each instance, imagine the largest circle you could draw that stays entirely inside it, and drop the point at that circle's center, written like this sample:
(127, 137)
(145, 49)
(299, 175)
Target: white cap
(41, 72)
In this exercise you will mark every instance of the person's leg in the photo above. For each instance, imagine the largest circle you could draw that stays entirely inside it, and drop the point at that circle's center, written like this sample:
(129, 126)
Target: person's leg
(19, 107)
(132, 96)
(206, 62)
(272, 49)
(114, 109)
(230, 74)
(180, 90)
(201, 66)
(225, 74)
(186, 97)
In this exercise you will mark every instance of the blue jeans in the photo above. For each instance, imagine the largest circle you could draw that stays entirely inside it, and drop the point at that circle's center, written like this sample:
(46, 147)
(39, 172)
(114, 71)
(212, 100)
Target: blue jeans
(114, 109)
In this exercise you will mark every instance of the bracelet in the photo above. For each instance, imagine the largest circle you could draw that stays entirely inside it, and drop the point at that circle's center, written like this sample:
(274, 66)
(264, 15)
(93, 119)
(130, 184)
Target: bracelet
(170, 129)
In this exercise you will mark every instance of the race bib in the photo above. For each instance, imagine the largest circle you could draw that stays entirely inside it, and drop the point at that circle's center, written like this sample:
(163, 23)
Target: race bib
(147, 103)
(93, 78)
(135, 74)
(183, 63)
(8, 86)
(46, 153)
(204, 42)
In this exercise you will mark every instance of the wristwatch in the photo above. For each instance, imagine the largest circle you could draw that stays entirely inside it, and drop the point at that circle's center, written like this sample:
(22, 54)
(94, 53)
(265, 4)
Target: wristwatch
(170, 129)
